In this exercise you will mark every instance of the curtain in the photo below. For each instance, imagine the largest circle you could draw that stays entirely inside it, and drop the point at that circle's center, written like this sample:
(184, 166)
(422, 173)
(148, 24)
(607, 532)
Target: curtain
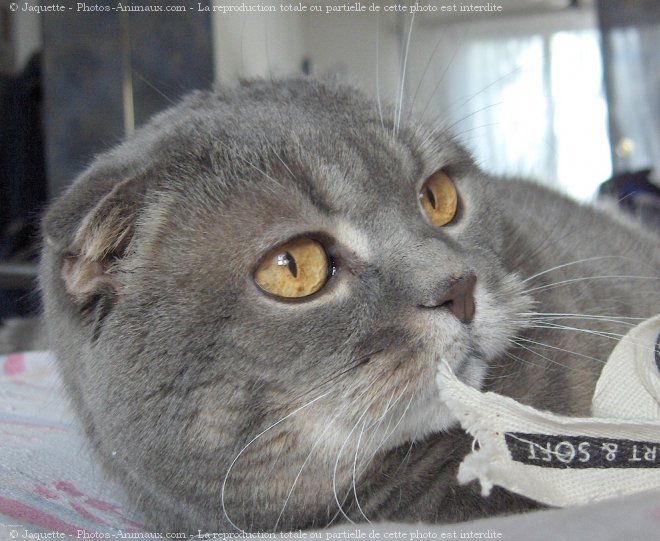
(527, 99)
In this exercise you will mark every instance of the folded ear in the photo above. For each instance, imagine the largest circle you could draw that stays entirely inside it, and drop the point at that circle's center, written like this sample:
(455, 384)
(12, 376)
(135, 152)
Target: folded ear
(93, 238)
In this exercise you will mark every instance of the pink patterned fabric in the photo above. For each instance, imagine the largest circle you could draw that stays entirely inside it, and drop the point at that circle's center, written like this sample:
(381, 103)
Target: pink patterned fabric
(48, 480)
(14, 364)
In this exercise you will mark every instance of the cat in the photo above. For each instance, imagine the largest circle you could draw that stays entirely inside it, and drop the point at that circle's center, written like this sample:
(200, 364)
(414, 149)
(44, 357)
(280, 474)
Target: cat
(249, 300)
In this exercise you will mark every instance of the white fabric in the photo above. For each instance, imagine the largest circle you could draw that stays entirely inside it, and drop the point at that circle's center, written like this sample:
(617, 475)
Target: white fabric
(629, 386)
(566, 460)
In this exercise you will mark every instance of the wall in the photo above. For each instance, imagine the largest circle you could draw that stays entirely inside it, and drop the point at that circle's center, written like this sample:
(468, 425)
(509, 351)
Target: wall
(259, 44)
(279, 44)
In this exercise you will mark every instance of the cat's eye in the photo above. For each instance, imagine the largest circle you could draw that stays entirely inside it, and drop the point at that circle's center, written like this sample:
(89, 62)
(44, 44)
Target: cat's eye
(295, 269)
(439, 199)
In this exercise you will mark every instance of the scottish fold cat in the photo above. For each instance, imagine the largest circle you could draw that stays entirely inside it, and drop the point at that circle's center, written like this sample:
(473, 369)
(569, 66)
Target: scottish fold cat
(249, 300)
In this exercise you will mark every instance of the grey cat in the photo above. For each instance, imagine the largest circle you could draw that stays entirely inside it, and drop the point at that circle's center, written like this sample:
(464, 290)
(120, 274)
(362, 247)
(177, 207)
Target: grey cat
(249, 300)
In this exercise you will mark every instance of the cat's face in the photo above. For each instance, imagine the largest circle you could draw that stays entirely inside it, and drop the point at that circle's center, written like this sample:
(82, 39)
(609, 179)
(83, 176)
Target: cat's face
(261, 304)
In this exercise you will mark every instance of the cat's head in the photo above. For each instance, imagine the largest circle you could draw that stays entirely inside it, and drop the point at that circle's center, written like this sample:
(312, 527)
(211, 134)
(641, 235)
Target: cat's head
(250, 298)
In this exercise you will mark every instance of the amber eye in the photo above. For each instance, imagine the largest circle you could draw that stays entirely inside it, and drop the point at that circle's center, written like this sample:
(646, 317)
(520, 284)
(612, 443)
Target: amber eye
(294, 269)
(439, 199)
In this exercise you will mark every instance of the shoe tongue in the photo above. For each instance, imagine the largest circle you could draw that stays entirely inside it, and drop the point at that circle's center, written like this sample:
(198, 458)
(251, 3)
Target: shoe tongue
(629, 385)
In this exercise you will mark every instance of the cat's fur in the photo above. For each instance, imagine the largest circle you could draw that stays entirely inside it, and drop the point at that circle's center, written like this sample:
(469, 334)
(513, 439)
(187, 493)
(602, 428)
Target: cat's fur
(219, 407)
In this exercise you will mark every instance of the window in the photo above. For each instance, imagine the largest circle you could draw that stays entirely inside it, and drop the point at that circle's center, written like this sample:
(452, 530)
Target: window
(529, 101)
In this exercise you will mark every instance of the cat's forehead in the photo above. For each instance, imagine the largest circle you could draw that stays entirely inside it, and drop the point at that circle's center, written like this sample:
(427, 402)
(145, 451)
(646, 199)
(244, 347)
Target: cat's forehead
(333, 143)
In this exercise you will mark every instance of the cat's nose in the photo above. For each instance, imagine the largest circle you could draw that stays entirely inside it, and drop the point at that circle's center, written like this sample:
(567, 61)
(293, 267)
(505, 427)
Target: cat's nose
(458, 298)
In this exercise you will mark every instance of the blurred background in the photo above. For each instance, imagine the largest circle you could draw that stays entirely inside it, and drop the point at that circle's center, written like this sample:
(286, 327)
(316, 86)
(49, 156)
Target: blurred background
(566, 92)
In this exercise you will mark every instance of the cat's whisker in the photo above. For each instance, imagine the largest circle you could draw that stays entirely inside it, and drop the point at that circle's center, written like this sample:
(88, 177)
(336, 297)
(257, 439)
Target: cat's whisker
(309, 455)
(551, 318)
(544, 345)
(240, 453)
(153, 87)
(598, 316)
(604, 334)
(398, 89)
(492, 377)
(387, 428)
(378, 100)
(465, 101)
(293, 177)
(340, 507)
(442, 75)
(585, 278)
(463, 132)
(421, 79)
(315, 445)
(406, 456)
(235, 153)
(426, 139)
(393, 430)
(471, 114)
(354, 481)
(379, 421)
(577, 262)
(375, 452)
(245, 19)
(376, 423)
(460, 134)
(358, 362)
(388, 407)
(557, 326)
(534, 251)
(397, 120)
(521, 360)
(550, 360)
(268, 59)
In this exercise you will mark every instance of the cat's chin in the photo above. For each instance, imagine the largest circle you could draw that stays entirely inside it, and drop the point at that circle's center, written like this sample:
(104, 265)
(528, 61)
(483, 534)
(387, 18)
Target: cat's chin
(429, 414)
